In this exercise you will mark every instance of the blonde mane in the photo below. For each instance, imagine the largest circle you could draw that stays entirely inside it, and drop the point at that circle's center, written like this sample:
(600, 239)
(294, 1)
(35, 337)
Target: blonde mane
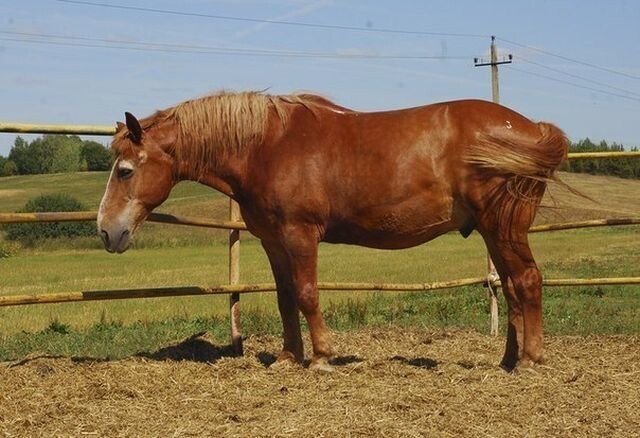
(215, 127)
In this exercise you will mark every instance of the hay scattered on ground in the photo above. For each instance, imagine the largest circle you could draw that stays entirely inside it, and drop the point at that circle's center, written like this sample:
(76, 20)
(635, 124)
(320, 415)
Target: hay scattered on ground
(401, 383)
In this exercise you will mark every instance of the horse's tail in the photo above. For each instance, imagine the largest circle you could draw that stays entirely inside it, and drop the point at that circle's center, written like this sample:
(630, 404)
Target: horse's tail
(527, 163)
(510, 152)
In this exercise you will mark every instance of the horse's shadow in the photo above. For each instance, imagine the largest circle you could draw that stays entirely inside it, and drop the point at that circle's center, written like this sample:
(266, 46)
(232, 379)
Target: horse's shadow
(198, 348)
(195, 348)
(267, 359)
(419, 362)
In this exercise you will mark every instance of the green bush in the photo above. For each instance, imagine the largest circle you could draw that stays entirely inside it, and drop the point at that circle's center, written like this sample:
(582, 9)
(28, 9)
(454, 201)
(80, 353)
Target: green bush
(27, 234)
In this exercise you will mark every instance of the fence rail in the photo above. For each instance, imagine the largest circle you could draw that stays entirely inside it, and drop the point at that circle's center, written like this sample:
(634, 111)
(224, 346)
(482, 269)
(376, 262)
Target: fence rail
(234, 224)
(35, 128)
(106, 130)
(82, 216)
(226, 289)
(235, 288)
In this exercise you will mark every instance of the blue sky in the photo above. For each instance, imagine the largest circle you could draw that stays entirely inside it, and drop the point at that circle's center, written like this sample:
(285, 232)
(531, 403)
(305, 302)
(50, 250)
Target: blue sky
(49, 75)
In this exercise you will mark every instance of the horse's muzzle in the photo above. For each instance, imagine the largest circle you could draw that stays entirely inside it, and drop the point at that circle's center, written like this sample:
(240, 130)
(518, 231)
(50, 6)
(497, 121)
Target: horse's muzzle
(117, 241)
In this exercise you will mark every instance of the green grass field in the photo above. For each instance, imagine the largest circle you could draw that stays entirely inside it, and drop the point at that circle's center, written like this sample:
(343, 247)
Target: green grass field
(174, 255)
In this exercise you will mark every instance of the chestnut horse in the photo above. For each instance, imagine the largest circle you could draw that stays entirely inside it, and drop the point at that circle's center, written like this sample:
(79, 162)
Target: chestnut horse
(305, 170)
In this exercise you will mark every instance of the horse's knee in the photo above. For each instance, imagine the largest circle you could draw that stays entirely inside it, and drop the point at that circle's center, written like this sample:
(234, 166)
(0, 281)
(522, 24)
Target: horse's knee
(529, 285)
(308, 299)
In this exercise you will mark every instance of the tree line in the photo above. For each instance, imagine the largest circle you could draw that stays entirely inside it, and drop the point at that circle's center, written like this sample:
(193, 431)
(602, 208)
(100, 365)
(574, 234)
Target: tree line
(620, 167)
(54, 153)
(69, 153)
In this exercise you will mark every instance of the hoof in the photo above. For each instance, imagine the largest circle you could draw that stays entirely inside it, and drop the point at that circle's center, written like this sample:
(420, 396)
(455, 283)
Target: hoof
(285, 361)
(321, 365)
(526, 362)
(508, 366)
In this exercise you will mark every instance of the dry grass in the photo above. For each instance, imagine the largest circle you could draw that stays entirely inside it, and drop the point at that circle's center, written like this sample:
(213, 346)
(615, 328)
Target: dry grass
(390, 382)
(611, 197)
(9, 193)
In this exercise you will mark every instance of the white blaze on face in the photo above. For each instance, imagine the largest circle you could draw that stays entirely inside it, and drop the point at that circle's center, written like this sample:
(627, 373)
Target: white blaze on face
(125, 217)
(106, 196)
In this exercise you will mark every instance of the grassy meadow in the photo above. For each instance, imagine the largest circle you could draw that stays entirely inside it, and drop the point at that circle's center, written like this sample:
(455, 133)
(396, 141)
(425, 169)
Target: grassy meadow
(165, 255)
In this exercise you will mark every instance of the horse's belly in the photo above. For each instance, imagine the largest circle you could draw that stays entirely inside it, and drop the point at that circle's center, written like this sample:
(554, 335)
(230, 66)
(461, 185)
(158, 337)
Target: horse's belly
(389, 231)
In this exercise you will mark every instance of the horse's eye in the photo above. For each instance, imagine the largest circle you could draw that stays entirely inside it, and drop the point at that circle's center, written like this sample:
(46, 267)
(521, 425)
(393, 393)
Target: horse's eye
(125, 173)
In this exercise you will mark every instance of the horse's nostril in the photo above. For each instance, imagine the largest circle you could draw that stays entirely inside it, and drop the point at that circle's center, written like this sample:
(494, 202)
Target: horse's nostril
(105, 237)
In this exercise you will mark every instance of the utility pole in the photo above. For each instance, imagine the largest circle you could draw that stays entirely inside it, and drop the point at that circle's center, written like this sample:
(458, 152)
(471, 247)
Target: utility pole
(494, 62)
(492, 275)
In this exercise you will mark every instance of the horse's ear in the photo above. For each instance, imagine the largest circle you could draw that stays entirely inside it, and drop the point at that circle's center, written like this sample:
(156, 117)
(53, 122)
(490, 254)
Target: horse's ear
(119, 126)
(135, 131)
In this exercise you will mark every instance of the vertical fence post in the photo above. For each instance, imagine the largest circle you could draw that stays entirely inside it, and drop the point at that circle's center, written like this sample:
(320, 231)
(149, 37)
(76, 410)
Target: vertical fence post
(492, 278)
(234, 278)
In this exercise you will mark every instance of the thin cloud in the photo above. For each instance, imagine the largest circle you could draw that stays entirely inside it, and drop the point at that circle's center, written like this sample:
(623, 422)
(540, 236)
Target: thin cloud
(305, 10)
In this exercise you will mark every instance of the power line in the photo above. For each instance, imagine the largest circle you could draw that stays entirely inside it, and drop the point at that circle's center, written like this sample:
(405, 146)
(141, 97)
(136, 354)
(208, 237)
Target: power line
(584, 87)
(566, 58)
(349, 28)
(277, 22)
(528, 61)
(90, 42)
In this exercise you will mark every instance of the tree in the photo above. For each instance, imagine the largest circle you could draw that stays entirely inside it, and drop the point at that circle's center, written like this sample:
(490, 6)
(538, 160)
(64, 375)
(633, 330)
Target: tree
(47, 154)
(20, 155)
(9, 168)
(65, 153)
(96, 156)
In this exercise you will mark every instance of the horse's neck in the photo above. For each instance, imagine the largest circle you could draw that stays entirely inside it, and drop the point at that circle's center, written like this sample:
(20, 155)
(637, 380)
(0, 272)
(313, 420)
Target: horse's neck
(227, 169)
(224, 176)
(225, 180)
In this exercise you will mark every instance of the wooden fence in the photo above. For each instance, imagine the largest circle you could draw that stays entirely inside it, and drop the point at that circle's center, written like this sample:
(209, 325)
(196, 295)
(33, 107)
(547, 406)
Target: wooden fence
(235, 225)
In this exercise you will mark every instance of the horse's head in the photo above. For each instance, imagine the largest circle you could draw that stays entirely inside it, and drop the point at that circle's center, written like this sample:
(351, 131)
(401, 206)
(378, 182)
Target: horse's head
(141, 179)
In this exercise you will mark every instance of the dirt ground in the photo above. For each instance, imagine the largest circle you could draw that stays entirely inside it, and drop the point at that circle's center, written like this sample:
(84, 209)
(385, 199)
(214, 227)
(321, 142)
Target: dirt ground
(391, 383)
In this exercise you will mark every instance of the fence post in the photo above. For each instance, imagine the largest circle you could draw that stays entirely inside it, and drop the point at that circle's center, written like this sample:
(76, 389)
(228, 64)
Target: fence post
(234, 278)
(492, 279)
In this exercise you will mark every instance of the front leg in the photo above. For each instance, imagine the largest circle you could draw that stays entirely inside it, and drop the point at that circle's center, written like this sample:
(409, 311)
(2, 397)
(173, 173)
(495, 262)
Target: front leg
(301, 246)
(292, 349)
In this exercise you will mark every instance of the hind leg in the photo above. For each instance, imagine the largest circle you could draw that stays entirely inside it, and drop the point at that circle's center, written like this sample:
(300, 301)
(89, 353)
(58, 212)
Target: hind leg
(505, 209)
(515, 324)
(522, 286)
(527, 282)
(515, 327)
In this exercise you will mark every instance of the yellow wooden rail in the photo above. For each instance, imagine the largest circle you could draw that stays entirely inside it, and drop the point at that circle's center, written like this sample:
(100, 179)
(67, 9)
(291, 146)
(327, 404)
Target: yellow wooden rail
(226, 289)
(584, 224)
(600, 155)
(79, 216)
(39, 128)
